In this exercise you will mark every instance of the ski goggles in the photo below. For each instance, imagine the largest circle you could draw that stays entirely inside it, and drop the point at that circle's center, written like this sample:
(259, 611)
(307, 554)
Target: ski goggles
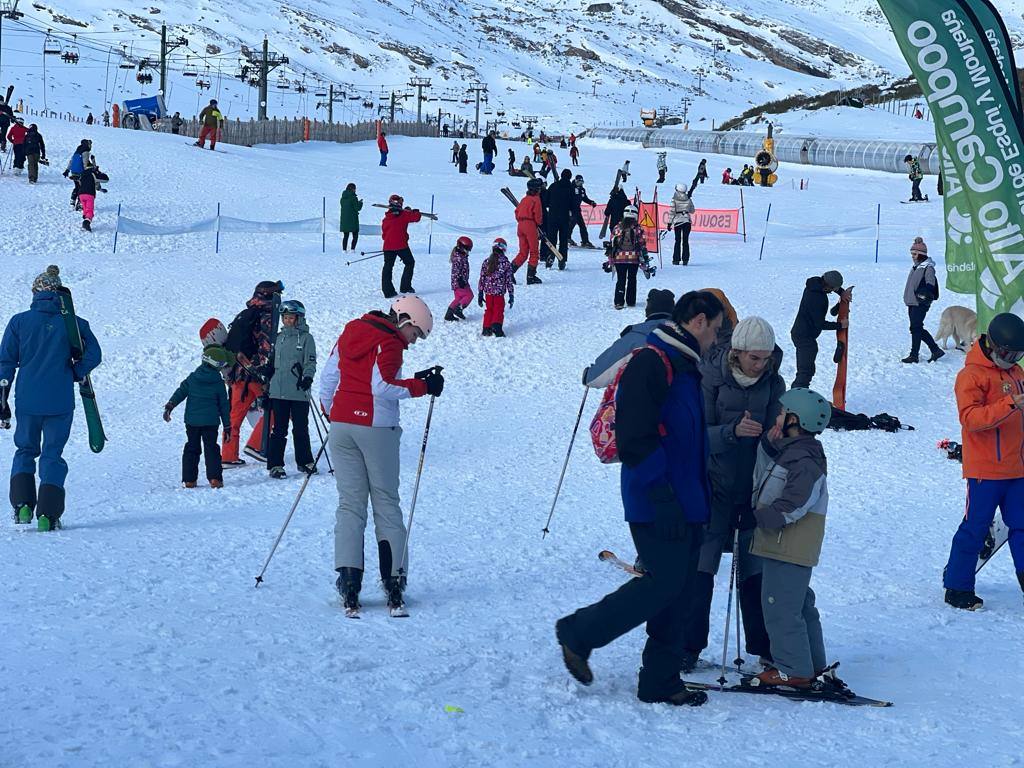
(1007, 356)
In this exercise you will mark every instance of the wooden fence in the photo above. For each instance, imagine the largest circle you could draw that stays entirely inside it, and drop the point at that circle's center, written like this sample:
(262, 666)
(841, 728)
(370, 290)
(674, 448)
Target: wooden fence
(287, 131)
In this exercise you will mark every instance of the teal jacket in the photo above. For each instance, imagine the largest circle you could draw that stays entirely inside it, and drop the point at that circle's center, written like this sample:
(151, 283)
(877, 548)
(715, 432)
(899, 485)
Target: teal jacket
(294, 345)
(207, 397)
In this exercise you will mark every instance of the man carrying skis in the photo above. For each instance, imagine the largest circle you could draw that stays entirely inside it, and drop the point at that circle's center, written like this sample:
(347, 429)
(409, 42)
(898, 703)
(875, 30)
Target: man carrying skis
(810, 322)
(579, 197)
(662, 442)
(249, 338)
(35, 152)
(36, 346)
(558, 218)
(394, 228)
(529, 220)
(915, 174)
(990, 398)
(211, 120)
(6, 118)
(360, 389)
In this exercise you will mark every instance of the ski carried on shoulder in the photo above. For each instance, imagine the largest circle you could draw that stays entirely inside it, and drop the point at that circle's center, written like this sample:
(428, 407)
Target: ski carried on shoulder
(97, 438)
(607, 556)
(794, 694)
(515, 201)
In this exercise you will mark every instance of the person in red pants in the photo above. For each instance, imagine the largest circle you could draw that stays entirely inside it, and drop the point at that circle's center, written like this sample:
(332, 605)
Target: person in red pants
(211, 119)
(529, 218)
(496, 280)
(249, 338)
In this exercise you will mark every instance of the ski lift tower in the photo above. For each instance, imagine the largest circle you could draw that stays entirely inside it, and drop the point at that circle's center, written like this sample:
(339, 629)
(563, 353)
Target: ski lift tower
(265, 63)
(166, 47)
(477, 89)
(419, 83)
(8, 10)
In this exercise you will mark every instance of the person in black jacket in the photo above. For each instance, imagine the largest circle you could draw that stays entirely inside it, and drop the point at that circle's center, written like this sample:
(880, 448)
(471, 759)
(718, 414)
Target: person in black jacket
(617, 202)
(490, 148)
(663, 444)
(88, 186)
(463, 159)
(558, 217)
(35, 152)
(811, 321)
(6, 118)
(176, 123)
(579, 197)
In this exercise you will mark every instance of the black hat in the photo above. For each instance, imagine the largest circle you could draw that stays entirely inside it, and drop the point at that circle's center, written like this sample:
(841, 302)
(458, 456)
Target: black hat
(833, 280)
(268, 288)
(660, 301)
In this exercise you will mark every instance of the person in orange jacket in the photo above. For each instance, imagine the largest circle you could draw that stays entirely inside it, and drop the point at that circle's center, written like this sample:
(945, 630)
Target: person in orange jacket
(382, 145)
(990, 399)
(529, 218)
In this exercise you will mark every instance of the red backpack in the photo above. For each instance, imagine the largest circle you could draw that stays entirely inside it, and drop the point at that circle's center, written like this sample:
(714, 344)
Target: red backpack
(602, 426)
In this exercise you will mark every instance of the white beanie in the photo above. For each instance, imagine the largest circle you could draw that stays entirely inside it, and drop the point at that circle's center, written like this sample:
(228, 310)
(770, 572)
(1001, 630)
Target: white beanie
(681, 188)
(753, 334)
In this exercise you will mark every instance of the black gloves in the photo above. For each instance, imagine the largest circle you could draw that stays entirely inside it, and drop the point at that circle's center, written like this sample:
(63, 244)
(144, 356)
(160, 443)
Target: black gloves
(480, 299)
(669, 522)
(167, 411)
(511, 300)
(305, 383)
(265, 373)
(65, 174)
(434, 380)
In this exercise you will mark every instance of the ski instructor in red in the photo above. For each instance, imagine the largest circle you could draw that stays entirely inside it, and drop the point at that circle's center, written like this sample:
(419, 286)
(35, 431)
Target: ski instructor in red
(360, 389)
(394, 229)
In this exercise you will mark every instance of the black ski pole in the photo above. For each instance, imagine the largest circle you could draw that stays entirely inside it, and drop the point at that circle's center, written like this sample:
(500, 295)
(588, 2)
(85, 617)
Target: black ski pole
(728, 605)
(297, 372)
(565, 464)
(416, 485)
(739, 661)
(5, 389)
(273, 549)
(373, 255)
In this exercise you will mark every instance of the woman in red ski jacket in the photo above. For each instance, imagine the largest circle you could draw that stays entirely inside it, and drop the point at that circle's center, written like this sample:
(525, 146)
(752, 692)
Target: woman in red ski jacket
(395, 231)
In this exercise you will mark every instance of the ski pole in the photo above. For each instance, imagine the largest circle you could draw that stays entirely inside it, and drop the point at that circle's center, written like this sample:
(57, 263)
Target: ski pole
(297, 372)
(5, 423)
(565, 464)
(273, 549)
(365, 258)
(416, 485)
(728, 605)
(739, 661)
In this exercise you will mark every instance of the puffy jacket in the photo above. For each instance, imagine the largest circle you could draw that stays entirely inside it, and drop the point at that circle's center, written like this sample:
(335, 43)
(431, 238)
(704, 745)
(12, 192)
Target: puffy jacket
(810, 318)
(617, 203)
(560, 200)
(361, 382)
(460, 268)
(6, 115)
(500, 281)
(530, 209)
(249, 335)
(992, 428)
(206, 398)
(87, 181)
(922, 287)
(294, 346)
(915, 172)
(79, 160)
(36, 344)
(17, 134)
(350, 208)
(211, 116)
(602, 372)
(790, 501)
(34, 144)
(629, 244)
(732, 457)
(394, 228)
(660, 430)
(682, 208)
(489, 145)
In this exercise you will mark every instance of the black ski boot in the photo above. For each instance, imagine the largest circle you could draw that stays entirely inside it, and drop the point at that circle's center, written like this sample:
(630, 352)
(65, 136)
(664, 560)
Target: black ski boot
(531, 276)
(496, 329)
(683, 697)
(459, 313)
(487, 331)
(350, 581)
(277, 473)
(87, 225)
(50, 507)
(394, 586)
(23, 497)
(575, 662)
(964, 599)
(450, 315)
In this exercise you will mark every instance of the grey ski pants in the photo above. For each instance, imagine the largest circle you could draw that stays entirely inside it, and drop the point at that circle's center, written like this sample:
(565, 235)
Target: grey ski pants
(792, 621)
(366, 468)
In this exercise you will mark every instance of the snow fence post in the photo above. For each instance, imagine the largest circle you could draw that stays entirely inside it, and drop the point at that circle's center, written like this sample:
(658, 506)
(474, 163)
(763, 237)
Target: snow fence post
(743, 215)
(117, 225)
(767, 216)
(430, 226)
(216, 228)
(878, 229)
(323, 228)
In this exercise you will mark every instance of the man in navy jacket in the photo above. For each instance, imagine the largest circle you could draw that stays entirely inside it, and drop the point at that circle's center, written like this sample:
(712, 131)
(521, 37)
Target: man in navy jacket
(662, 441)
(36, 344)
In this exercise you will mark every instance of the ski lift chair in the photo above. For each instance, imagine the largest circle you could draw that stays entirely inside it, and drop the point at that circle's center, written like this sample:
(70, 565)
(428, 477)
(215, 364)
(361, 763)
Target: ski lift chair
(51, 45)
(189, 70)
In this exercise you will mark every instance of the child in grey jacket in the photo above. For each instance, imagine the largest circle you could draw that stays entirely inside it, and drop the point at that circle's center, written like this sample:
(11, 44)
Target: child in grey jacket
(790, 500)
(294, 365)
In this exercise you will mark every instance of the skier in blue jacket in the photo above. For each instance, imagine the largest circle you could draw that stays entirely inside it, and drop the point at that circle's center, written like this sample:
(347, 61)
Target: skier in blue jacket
(662, 440)
(36, 345)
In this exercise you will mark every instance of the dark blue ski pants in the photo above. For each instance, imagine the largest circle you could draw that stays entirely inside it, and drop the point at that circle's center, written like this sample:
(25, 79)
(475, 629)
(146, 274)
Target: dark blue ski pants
(983, 496)
(43, 438)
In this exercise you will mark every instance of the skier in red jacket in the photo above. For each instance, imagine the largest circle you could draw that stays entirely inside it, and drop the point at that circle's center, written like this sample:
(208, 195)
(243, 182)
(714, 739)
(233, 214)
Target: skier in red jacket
(529, 219)
(395, 231)
(382, 145)
(360, 388)
(17, 138)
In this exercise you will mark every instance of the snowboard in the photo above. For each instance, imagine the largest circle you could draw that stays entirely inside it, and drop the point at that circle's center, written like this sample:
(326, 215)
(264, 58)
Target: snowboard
(789, 693)
(275, 321)
(907, 202)
(97, 438)
(842, 353)
(607, 556)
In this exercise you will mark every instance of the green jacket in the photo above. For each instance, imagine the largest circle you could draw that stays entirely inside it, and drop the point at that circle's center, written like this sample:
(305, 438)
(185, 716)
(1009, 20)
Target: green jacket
(294, 345)
(350, 208)
(207, 397)
(915, 170)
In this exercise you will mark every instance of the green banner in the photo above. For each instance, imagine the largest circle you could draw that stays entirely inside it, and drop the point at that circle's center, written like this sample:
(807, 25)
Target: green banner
(961, 270)
(977, 121)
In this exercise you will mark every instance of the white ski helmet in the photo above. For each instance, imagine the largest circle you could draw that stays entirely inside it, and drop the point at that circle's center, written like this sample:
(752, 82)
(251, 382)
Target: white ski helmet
(631, 212)
(412, 310)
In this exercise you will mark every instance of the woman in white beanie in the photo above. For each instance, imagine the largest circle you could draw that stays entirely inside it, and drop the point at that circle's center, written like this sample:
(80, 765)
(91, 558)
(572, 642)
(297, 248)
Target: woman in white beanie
(742, 387)
(921, 290)
(682, 210)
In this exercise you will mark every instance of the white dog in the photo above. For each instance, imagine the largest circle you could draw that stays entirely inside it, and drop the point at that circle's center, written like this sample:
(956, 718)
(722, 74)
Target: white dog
(959, 322)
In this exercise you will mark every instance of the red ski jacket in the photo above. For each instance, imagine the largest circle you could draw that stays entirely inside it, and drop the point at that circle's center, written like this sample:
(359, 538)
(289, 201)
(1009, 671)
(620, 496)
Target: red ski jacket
(394, 228)
(17, 134)
(361, 382)
(529, 209)
(382, 143)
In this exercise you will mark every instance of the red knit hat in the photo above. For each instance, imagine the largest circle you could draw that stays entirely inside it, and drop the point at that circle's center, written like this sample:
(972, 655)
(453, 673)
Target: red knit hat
(213, 333)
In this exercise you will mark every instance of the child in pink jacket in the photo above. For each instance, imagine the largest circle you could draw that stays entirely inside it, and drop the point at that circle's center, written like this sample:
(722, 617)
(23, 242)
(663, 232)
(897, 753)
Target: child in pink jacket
(496, 279)
(460, 279)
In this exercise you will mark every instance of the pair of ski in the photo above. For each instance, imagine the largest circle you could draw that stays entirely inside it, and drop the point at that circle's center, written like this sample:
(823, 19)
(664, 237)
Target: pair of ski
(552, 248)
(744, 686)
(398, 612)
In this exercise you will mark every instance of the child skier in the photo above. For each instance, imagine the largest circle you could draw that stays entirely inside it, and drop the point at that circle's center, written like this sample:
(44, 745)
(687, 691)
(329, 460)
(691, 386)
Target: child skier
(662, 167)
(212, 333)
(627, 252)
(206, 409)
(460, 279)
(294, 364)
(88, 185)
(529, 220)
(395, 232)
(790, 501)
(496, 280)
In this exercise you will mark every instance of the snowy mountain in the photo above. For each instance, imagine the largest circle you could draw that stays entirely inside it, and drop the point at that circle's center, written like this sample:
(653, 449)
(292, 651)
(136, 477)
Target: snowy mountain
(567, 62)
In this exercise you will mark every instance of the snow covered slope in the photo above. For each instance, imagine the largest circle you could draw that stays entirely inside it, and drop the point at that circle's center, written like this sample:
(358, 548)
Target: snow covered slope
(135, 637)
(567, 62)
